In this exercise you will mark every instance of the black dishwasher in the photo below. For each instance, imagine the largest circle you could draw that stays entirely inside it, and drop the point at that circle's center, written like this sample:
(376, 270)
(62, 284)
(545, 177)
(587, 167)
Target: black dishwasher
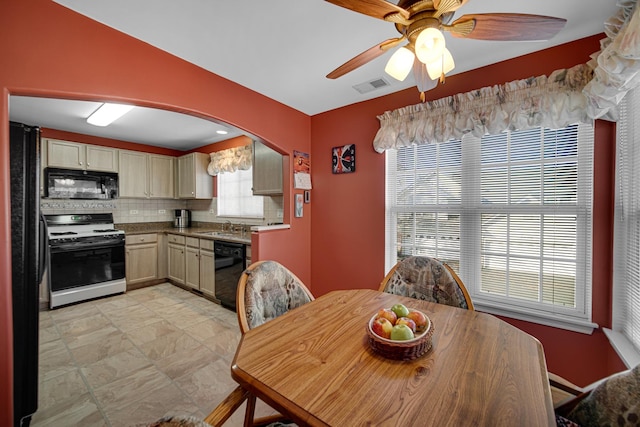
(230, 261)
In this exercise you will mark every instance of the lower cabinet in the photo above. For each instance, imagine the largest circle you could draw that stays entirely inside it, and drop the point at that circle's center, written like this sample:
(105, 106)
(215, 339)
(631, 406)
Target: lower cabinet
(200, 265)
(207, 268)
(177, 257)
(141, 258)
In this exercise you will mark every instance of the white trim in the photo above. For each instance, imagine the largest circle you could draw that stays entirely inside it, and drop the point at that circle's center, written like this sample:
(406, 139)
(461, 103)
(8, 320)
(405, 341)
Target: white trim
(625, 349)
(557, 321)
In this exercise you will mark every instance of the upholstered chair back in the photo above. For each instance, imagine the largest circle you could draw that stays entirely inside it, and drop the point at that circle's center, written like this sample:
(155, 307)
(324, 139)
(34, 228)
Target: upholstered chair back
(266, 290)
(427, 279)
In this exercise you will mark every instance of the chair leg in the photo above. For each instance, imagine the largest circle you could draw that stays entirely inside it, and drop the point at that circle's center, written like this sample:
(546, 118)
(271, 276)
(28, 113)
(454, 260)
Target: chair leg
(251, 409)
(227, 407)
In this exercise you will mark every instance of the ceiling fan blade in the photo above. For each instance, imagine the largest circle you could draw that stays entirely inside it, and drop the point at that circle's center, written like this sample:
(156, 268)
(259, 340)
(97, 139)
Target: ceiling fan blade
(446, 6)
(506, 27)
(375, 8)
(364, 57)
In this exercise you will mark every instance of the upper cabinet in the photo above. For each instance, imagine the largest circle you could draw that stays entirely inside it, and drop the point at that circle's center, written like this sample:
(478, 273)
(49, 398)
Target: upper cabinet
(73, 155)
(194, 182)
(267, 171)
(145, 175)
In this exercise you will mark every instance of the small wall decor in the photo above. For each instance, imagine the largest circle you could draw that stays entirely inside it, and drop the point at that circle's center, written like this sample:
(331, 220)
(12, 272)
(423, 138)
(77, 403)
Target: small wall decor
(301, 170)
(344, 158)
(299, 205)
(307, 196)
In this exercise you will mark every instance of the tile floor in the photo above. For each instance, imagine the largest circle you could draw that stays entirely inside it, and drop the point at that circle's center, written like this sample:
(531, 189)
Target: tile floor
(130, 359)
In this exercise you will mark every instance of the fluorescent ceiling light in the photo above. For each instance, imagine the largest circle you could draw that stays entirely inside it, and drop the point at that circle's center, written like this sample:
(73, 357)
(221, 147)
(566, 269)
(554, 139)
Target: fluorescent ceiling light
(108, 113)
(221, 132)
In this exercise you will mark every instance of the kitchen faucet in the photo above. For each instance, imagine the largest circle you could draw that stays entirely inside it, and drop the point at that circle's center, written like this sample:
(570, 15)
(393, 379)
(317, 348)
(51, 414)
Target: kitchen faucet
(226, 226)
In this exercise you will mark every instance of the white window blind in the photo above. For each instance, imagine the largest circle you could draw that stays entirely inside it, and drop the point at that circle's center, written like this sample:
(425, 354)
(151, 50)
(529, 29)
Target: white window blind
(235, 196)
(626, 275)
(511, 213)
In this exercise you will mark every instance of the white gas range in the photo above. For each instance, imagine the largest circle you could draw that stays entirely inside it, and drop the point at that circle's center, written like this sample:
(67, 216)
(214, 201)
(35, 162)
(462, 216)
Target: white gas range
(86, 257)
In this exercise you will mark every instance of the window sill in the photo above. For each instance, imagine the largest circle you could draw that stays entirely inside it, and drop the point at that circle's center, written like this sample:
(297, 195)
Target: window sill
(557, 321)
(627, 352)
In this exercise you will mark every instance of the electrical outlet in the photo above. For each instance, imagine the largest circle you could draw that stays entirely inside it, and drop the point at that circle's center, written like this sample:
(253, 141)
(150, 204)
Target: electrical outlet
(211, 211)
(279, 213)
(133, 212)
(162, 211)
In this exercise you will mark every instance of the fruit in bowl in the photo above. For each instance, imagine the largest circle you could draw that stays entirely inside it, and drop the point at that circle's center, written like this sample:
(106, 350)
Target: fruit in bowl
(401, 332)
(388, 325)
(381, 326)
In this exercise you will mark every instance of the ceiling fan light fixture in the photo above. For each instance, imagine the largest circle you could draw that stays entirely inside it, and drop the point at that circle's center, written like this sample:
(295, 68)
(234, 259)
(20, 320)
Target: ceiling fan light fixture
(400, 64)
(429, 45)
(108, 113)
(441, 66)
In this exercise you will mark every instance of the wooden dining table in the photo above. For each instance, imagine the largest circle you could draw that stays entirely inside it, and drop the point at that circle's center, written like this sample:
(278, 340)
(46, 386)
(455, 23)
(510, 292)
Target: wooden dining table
(314, 364)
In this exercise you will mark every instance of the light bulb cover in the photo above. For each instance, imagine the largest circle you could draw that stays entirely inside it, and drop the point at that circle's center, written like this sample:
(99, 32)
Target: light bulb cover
(429, 45)
(400, 64)
(441, 65)
(108, 113)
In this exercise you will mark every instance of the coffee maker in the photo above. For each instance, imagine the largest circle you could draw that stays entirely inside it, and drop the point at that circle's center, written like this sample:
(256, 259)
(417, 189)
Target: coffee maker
(182, 218)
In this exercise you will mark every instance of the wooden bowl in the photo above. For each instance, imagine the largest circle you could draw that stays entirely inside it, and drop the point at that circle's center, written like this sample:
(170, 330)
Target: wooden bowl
(401, 350)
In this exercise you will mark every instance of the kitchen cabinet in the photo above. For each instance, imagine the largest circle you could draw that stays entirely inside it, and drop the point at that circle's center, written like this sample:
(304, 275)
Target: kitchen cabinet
(176, 257)
(74, 155)
(200, 265)
(267, 171)
(192, 263)
(161, 177)
(207, 268)
(194, 182)
(145, 175)
(141, 258)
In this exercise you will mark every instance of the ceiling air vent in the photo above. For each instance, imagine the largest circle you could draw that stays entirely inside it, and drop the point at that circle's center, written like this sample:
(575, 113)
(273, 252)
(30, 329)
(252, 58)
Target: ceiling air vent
(371, 85)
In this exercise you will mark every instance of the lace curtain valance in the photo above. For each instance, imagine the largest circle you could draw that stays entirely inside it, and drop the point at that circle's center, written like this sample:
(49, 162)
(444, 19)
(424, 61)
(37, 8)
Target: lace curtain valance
(616, 66)
(553, 101)
(230, 160)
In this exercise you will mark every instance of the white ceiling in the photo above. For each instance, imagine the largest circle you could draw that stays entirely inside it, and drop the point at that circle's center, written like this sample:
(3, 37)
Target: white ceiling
(283, 49)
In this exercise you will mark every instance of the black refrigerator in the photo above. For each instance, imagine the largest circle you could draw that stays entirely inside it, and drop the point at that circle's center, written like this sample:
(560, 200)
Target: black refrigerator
(28, 252)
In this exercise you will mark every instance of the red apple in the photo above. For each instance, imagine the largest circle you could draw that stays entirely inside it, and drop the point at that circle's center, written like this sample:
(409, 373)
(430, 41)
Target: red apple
(419, 318)
(407, 321)
(387, 314)
(382, 327)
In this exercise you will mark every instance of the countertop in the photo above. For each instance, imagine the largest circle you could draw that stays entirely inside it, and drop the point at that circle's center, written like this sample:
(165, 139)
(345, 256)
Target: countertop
(200, 230)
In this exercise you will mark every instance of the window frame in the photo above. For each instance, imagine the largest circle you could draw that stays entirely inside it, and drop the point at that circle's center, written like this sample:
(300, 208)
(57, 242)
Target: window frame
(470, 212)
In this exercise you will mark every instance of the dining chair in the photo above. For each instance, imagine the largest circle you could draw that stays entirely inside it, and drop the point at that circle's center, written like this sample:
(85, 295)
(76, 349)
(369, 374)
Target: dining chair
(427, 279)
(266, 290)
(614, 400)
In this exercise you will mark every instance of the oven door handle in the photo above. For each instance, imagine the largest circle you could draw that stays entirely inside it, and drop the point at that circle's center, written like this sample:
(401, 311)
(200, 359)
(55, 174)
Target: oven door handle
(64, 247)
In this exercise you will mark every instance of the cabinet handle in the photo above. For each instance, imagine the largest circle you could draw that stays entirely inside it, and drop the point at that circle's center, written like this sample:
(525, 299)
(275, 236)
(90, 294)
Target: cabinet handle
(88, 164)
(142, 239)
(80, 163)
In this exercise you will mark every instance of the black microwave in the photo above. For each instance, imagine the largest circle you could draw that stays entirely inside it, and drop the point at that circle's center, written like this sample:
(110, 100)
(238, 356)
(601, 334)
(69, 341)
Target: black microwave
(79, 184)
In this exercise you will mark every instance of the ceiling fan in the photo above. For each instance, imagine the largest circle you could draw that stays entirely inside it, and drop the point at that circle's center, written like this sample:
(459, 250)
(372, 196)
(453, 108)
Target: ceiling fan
(420, 24)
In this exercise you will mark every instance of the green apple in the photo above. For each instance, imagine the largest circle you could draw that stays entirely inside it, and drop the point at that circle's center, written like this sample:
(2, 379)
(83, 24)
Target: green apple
(401, 333)
(400, 310)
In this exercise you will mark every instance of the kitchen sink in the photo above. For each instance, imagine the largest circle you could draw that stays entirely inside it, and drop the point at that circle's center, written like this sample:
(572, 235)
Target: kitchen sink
(217, 233)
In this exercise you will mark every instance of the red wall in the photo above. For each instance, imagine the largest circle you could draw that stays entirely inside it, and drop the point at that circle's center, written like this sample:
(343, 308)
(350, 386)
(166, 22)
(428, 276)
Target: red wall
(48, 50)
(347, 228)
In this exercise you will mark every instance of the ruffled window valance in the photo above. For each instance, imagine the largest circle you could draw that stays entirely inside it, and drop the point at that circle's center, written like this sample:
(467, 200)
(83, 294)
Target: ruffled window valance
(230, 160)
(616, 66)
(555, 101)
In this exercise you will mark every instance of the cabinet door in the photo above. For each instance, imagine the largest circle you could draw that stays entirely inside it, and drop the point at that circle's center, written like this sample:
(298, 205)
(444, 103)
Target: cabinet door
(207, 273)
(141, 262)
(194, 182)
(133, 175)
(161, 178)
(102, 158)
(64, 154)
(192, 274)
(176, 263)
(267, 170)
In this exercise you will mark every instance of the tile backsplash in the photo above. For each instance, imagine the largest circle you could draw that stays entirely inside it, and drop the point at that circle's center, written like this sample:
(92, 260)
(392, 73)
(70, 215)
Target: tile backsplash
(159, 210)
